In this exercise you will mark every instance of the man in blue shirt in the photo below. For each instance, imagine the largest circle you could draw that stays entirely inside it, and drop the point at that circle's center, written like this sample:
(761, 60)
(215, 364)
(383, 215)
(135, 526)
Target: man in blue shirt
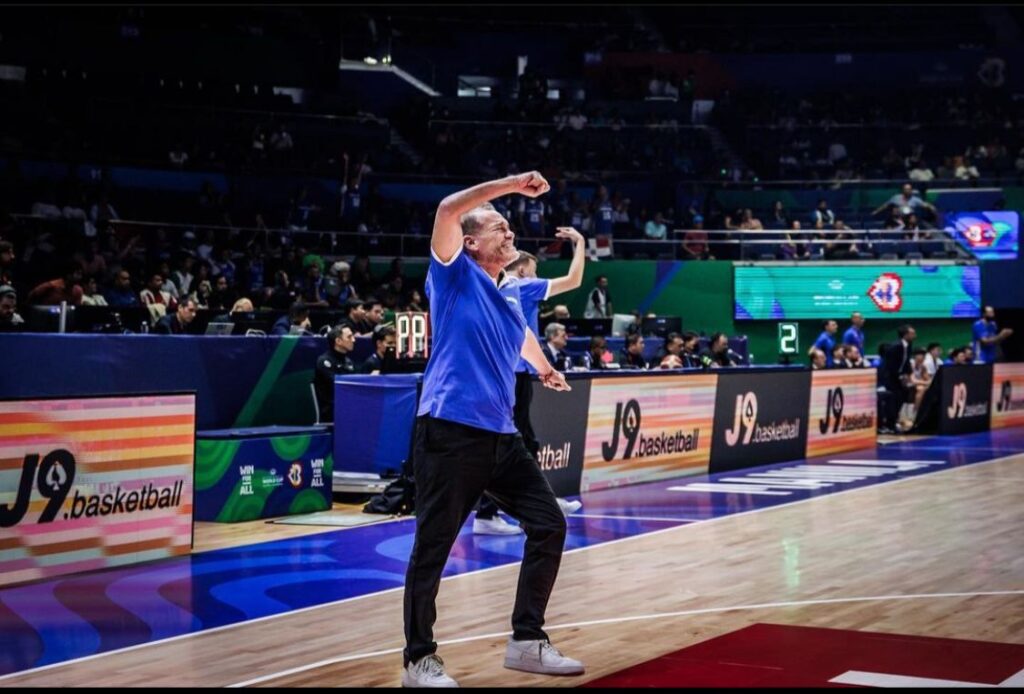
(826, 342)
(987, 336)
(603, 212)
(466, 441)
(532, 291)
(854, 335)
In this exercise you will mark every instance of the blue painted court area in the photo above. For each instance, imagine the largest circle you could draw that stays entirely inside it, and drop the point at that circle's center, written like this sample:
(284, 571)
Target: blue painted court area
(61, 619)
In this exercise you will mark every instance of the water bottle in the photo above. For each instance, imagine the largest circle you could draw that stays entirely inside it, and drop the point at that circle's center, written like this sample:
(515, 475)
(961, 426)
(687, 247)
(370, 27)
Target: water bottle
(144, 328)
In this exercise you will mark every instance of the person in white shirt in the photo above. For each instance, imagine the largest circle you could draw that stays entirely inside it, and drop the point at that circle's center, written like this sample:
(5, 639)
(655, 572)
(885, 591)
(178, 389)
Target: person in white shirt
(656, 229)
(933, 358)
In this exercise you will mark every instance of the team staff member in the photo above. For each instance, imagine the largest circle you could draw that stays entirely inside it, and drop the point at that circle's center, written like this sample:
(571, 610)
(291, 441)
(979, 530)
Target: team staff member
(383, 340)
(335, 360)
(532, 291)
(466, 439)
(177, 323)
(987, 336)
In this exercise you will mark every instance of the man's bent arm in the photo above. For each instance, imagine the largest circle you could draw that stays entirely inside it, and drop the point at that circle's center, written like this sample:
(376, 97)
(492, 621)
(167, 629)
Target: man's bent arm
(574, 278)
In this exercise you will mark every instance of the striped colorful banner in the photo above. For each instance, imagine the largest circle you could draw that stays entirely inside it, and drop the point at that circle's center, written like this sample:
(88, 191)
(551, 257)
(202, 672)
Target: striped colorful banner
(1007, 395)
(95, 482)
(647, 428)
(843, 411)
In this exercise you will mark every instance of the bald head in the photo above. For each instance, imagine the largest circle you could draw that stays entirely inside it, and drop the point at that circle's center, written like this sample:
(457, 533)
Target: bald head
(476, 219)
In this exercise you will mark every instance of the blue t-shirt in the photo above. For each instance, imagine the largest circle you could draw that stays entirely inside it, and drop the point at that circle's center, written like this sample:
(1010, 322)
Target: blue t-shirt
(982, 328)
(532, 291)
(826, 343)
(478, 331)
(853, 336)
(532, 216)
(603, 222)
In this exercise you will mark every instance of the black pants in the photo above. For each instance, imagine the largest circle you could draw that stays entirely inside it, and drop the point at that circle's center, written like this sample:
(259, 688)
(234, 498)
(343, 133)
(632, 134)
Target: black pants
(453, 465)
(487, 509)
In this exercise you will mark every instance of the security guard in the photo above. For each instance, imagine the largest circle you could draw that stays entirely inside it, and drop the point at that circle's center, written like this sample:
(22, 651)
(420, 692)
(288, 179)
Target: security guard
(335, 360)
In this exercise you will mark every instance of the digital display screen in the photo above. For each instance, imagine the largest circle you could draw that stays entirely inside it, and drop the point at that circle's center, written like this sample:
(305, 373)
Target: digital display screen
(877, 291)
(987, 235)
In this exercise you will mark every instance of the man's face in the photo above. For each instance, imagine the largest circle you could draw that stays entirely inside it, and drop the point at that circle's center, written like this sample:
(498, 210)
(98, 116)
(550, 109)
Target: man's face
(559, 340)
(990, 313)
(345, 341)
(911, 335)
(675, 346)
(603, 283)
(918, 359)
(561, 312)
(961, 358)
(376, 314)
(831, 327)
(853, 353)
(6, 258)
(186, 312)
(720, 345)
(358, 314)
(493, 242)
(598, 348)
(155, 282)
(637, 347)
(124, 280)
(936, 352)
(7, 304)
(819, 359)
(969, 354)
(691, 345)
(908, 190)
(222, 283)
(857, 320)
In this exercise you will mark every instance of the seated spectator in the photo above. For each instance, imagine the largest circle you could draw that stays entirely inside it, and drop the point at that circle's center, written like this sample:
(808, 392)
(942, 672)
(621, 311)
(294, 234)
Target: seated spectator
(655, 229)
(854, 359)
(838, 357)
(414, 302)
(794, 247)
(338, 286)
(597, 357)
(555, 341)
(906, 201)
(818, 360)
(632, 356)
(91, 294)
(920, 172)
(334, 361)
(182, 276)
(10, 321)
(840, 246)
(243, 305)
(282, 294)
(964, 170)
(67, 288)
(383, 341)
(688, 354)
(102, 213)
(822, 216)
(779, 218)
(933, 359)
(374, 310)
(295, 322)
(673, 346)
(121, 294)
(223, 296)
(355, 318)
(695, 241)
(156, 299)
(313, 294)
(177, 323)
(718, 353)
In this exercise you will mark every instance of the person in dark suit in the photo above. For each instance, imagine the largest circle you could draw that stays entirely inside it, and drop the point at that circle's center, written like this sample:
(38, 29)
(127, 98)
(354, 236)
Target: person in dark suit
(555, 341)
(894, 368)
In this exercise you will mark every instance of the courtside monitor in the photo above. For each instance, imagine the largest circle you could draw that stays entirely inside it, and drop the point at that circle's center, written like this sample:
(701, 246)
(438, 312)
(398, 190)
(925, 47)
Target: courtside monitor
(661, 326)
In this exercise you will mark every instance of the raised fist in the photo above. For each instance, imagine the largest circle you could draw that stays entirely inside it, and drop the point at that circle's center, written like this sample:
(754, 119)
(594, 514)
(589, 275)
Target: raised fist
(531, 184)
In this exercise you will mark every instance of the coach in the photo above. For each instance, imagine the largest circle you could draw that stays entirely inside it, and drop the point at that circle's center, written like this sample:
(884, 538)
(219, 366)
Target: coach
(466, 442)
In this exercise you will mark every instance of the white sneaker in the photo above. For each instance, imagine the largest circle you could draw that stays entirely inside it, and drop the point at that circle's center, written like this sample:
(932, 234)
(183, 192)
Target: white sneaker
(539, 657)
(494, 526)
(569, 506)
(427, 672)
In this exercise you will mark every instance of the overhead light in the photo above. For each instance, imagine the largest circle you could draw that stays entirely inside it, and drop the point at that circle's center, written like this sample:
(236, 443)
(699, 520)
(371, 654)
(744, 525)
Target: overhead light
(370, 60)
